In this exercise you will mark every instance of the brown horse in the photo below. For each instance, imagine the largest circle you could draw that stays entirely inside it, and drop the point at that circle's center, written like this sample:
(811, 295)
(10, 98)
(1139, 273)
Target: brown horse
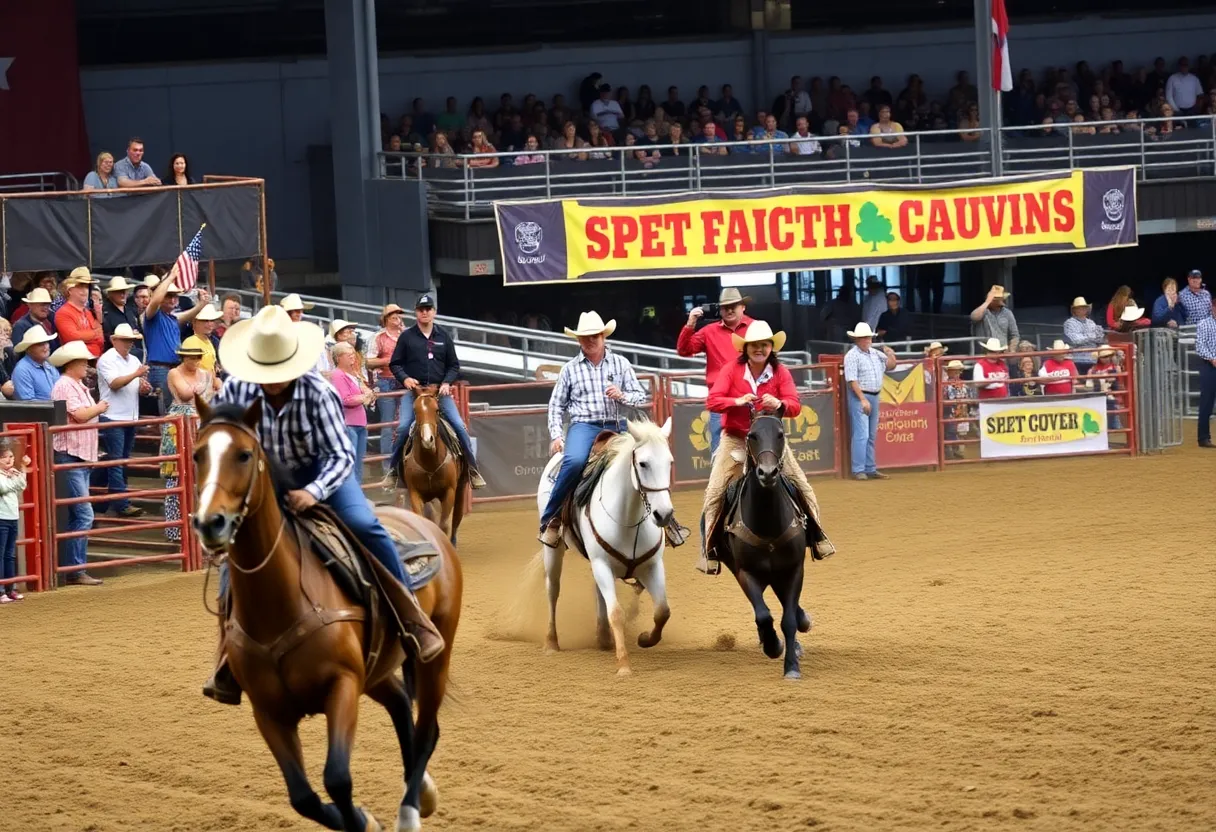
(300, 649)
(431, 471)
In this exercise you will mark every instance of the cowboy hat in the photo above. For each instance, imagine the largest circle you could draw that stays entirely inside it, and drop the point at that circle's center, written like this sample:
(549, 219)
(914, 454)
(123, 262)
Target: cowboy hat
(730, 297)
(125, 332)
(863, 331)
(79, 276)
(759, 331)
(38, 295)
(34, 335)
(171, 289)
(208, 313)
(955, 364)
(271, 348)
(999, 292)
(151, 280)
(590, 323)
(1079, 301)
(1105, 350)
(937, 345)
(292, 303)
(391, 309)
(1059, 345)
(1131, 313)
(190, 352)
(119, 284)
(992, 345)
(71, 351)
(337, 325)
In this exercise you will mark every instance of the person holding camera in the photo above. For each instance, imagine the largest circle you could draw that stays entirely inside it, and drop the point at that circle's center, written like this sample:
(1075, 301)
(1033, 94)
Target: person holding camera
(714, 339)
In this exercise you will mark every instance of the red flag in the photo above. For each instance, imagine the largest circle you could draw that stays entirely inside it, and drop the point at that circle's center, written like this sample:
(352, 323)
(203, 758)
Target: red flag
(42, 125)
(1002, 73)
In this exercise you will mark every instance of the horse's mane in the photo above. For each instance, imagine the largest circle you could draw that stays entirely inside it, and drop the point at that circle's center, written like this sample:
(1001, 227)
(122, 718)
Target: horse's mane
(234, 414)
(624, 443)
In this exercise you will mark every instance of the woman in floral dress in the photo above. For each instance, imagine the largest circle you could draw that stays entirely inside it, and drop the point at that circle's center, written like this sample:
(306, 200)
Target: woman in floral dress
(185, 381)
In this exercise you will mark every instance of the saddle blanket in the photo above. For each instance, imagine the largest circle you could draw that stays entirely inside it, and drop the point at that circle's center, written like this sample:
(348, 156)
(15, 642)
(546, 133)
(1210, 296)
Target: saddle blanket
(421, 559)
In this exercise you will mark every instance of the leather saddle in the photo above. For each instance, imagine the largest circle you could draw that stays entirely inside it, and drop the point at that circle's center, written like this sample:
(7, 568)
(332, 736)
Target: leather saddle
(447, 435)
(730, 518)
(593, 472)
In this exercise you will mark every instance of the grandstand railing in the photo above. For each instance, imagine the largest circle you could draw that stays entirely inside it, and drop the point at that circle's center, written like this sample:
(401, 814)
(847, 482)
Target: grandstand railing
(43, 181)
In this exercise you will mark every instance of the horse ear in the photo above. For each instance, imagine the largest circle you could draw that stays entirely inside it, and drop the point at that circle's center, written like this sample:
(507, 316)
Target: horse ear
(633, 431)
(253, 414)
(666, 429)
(204, 409)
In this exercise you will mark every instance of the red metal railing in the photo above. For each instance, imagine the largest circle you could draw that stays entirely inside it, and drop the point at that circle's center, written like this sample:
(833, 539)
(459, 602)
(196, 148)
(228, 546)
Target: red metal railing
(32, 508)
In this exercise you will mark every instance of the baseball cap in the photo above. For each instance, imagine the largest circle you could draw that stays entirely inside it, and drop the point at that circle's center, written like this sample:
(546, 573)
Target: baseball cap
(1194, 273)
(425, 301)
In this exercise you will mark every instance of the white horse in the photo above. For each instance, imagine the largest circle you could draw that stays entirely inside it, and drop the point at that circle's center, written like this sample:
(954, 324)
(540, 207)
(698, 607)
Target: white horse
(621, 533)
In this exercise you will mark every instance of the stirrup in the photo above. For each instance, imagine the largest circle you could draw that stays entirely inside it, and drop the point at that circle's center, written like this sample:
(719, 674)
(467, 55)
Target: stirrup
(708, 565)
(222, 686)
(677, 535)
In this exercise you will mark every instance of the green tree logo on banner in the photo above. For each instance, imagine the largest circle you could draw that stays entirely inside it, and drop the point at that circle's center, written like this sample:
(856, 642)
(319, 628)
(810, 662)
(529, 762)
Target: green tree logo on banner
(874, 228)
(1090, 426)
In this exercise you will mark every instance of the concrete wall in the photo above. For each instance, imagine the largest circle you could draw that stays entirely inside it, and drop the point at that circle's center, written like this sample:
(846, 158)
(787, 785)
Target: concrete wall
(258, 118)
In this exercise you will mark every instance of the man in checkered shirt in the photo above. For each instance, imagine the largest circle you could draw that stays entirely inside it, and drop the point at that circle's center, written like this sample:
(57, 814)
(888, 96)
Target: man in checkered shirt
(592, 389)
(1205, 348)
(1195, 299)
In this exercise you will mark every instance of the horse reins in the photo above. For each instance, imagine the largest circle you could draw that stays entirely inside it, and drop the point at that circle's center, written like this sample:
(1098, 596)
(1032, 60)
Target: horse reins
(637, 560)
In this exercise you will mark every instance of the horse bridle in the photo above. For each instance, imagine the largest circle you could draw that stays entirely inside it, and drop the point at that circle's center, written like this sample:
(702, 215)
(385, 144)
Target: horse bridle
(755, 460)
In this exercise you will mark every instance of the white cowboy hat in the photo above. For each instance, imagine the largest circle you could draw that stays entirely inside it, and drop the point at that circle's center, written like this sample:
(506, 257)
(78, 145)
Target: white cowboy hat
(125, 332)
(171, 289)
(150, 280)
(119, 284)
(1131, 313)
(590, 323)
(759, 331)
(71, 351)
(992, 345)
(337, 325)
(33, 335)
(292, 303)
(1059, 345)
(208, 313)
(863, 331)
(38, 295)
(1079, 301)
(79, 276)
(955, 364)
(730, 297)
(271, 348)
(937, 345)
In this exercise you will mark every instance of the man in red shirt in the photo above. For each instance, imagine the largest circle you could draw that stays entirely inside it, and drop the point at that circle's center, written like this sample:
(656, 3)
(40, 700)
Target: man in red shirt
(714, 340)
(75, 321)
(992, 369)
(1061, 369)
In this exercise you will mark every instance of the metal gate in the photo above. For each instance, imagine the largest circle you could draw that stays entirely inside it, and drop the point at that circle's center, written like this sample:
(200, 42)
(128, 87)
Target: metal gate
(1160, 388)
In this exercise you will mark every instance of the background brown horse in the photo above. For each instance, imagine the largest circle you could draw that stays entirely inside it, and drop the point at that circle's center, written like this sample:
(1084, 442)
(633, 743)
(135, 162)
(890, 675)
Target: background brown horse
(276, 589)
(431, 470)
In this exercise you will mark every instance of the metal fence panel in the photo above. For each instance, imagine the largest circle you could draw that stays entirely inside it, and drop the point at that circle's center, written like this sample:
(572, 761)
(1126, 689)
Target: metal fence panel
(1160, 371)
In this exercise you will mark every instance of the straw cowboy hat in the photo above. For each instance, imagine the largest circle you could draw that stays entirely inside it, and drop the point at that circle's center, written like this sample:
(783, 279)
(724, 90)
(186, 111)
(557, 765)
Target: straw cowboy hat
(730, 297)
(69, 352)
(999, 292)
(1059, 345)
(992, 345)
(190, 352)
(38, 295)
(125, 332)
(955, 364)
(759, 331)
(34, 335)
(937, 345)
(171, 289)
(208, 313)
(1131, 313)
(271, 348)
(119, 284)
(391, 309)
(590, 323)
(292, 303)
(862, 331)
(79, 276)
(1105, 350)
(151, 281)
(337, 325)
(1079, 301)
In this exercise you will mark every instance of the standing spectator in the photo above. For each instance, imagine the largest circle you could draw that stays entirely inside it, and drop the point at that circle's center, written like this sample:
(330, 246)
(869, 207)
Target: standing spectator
(1061, 367)
(76, 447)
(1106, 366)
(102, 177)
(251, 275)
(800, 99)
(1183, 90)
(864, 368)
(450, 120)
(1120, 302)
(163, 334)
(12, 486)
(356, 398)
(120, 378)
(1167, 311)
(183, 383)
(230, 313)
(589, 90)
(992, 319)
(1196, 300)
(606, 111)
(894, 323)
(628, 110)
(644, 106)
(34, 377)
(132, 171)
(38, 316)
(875, 302)
(876, 96)
(1082, 331)
(673, 106)
(117, 310)
(993, 369)
(379, 353)
(841, 309)
(1205, 348)
(932, 352)
(75, 321)
(956, 390)
(140, 298)
(179, 171)
(715, 339)
(203, 328)
(424, 122)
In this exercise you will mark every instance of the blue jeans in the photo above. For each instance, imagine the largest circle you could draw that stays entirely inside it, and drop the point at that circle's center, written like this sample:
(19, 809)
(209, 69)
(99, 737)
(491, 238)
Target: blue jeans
(579, 439)
(715, 432)
(358, 438)
(350, 504)
(447, 408)
(8, 552)
(386, 411)
(80, 515)
(863, 431)
(158, 377)
(118, 443)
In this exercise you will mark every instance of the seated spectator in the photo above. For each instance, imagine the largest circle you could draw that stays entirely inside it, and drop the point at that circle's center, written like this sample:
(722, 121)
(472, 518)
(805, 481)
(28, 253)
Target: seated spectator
(1026, 376)
(179, 171)
(702, 100)
(424, 122)
(450, 119)
(993, 370)
(482, 152)
(1080, 128)
(709, 135)
(606, 112)
(644, 106)
(443, 155)
(1094, 112)
(102, 177)
(394, 166)
(132, 171)
(569, 140)
(650, 139)
(971, 124)
(740, 133)
(894, 324)
(704, 116)
(121, 377)
(531, 154)
(887, 134)
(513, 136)
(117, 310)
(673, 106)
(1098, 379)
(804, 142)
(1081, 331)
(506, 111)
(1167, 311)
(598, 138)
(251, 276)
(676, 140)
(411, 139)
(769, 133)
(1163, 128)
(75, 321)
(1183, 90)
(840, 99)
(1121, 300)
(38, 316)
(629, 113)
(1108, 115)
(726, 107)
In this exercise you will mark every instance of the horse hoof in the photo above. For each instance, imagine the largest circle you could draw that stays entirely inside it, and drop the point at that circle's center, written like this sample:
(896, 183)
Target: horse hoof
(804, 621)
(551, 646)
(408, 820)
(646, 640)
(778, 648)
(370, 824)
(622, 672)
(792, 675)
(428, 801)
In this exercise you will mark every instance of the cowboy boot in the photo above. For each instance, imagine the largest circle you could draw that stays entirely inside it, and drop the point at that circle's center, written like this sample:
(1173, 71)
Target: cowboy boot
(223, 686)
(822, 548)
(550, 533)
(709, 565)
(423, 630)
(475, 478)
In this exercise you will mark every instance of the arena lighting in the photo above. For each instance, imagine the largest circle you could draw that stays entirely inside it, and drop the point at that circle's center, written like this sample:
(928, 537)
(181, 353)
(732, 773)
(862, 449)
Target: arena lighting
(748, 279)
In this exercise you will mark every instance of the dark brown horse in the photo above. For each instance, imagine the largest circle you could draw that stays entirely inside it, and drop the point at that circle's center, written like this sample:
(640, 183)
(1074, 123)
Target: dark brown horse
(301, 645)
(431, 471)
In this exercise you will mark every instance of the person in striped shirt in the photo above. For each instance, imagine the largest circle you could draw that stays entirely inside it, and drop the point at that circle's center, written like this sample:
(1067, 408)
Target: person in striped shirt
(1205, 348)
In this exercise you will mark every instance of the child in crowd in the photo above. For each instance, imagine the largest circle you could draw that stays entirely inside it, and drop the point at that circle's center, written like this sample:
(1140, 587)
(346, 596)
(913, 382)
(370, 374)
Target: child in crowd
(12, 486)
(956, 389)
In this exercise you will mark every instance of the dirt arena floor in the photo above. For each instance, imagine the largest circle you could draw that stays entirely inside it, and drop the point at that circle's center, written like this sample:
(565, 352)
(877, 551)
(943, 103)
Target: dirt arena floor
(1012, 646)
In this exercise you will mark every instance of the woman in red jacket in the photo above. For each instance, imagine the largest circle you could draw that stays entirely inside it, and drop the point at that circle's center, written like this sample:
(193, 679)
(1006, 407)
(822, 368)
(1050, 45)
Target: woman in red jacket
(756, 380)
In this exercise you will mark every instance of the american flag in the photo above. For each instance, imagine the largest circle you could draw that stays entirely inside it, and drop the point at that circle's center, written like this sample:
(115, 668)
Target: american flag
(187, 262)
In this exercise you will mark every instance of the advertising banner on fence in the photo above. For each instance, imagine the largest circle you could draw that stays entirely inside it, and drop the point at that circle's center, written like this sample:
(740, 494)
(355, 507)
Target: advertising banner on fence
(512, 452)
(813, 227)
(812, 437)
(1025, 427)
(907, 424)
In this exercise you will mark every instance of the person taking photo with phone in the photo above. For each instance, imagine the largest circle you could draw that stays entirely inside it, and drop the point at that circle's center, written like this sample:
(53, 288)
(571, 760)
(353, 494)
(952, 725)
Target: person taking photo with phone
(714, 339)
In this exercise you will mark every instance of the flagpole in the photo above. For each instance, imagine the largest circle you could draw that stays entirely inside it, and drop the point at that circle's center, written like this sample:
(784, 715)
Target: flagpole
(989, 97)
